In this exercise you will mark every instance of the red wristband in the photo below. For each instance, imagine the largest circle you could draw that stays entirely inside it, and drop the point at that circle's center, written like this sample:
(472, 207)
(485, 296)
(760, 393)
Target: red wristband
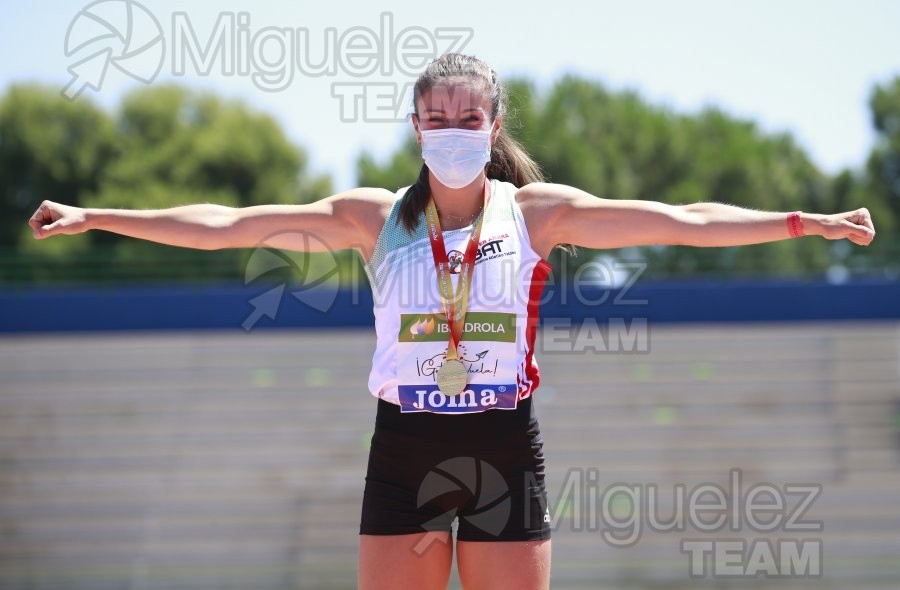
(795, 226)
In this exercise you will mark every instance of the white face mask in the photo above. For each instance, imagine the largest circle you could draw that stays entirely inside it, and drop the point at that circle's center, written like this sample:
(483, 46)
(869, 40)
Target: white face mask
(456, 156)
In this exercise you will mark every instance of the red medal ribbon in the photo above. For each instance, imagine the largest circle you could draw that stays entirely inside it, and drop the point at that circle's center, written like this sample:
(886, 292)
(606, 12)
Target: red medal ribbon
(454, 304)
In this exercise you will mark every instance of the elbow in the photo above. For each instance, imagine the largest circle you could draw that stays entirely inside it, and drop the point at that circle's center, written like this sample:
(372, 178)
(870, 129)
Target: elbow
(688, 226)
(216, 229)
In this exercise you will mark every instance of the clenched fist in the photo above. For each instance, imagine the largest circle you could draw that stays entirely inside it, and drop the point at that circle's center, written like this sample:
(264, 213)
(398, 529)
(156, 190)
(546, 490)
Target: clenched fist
(52, 218)
(855, 226)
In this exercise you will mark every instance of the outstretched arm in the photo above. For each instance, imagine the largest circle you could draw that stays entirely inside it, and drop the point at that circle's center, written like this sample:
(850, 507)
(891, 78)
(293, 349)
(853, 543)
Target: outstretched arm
(563, 214)
(346, 220)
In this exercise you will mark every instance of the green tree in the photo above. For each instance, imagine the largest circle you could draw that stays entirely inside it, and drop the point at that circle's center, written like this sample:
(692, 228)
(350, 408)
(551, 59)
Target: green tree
(49, 149)
(883, 167)
(877, 187)
(616, 145)
(182, 147)
(401, 169)
(165, 147)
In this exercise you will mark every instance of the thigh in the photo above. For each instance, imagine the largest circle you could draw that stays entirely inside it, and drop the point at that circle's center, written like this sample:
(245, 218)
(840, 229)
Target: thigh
(523, 565)
(420, 560)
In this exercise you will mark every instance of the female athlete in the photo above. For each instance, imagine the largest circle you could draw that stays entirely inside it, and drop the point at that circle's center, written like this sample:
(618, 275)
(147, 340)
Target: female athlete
(457, 261)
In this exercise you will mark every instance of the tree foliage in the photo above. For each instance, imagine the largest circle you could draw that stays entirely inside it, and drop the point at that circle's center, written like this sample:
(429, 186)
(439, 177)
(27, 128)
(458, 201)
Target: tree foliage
(883, 167)
(167, 146)
(616, 145)
(49, 148)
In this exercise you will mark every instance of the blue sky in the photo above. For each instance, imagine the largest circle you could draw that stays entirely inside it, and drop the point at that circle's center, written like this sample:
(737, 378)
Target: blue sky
(797, 65)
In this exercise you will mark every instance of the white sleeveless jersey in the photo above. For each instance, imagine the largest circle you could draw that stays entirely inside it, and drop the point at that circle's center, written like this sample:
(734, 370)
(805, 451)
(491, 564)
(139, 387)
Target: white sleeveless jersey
(497, 346)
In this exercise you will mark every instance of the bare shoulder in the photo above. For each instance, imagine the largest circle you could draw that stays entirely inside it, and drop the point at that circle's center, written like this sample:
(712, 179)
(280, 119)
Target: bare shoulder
(364, 199)
(363, 205)
(544, 201)
(546, 195)
(541, 204)
(365, 208)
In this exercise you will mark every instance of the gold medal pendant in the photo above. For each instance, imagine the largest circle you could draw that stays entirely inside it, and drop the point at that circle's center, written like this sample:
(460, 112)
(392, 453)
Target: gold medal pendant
(452, 377)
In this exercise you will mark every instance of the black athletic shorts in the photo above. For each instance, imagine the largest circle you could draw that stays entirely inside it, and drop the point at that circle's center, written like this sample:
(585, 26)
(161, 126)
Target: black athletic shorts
(485, 469)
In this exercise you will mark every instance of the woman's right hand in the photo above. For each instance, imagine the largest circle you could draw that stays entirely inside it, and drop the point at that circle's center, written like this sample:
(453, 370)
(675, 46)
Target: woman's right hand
(52, 218)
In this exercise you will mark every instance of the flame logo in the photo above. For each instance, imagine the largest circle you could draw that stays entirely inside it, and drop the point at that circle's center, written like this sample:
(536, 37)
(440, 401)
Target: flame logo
(422, 327)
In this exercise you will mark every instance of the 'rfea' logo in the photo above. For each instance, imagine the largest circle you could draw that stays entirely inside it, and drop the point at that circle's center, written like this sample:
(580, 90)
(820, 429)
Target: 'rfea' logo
(422, 327)
(455, 258)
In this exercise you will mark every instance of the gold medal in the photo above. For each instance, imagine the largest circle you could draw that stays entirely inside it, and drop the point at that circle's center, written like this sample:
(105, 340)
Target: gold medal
(452, 377)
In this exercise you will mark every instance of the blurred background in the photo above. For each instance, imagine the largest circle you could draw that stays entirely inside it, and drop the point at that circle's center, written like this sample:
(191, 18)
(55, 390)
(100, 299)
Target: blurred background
(173, 418)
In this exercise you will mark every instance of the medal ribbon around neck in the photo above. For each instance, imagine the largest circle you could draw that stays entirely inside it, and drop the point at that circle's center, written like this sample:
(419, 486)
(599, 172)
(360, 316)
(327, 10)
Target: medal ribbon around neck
(454, 304)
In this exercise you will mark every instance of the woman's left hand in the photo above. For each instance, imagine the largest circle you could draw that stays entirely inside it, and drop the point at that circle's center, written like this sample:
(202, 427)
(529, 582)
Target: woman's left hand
(855, 226)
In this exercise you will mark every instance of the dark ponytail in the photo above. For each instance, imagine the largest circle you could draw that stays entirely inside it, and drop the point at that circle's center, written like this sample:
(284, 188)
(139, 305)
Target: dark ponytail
(414, 201)
(511, 163)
